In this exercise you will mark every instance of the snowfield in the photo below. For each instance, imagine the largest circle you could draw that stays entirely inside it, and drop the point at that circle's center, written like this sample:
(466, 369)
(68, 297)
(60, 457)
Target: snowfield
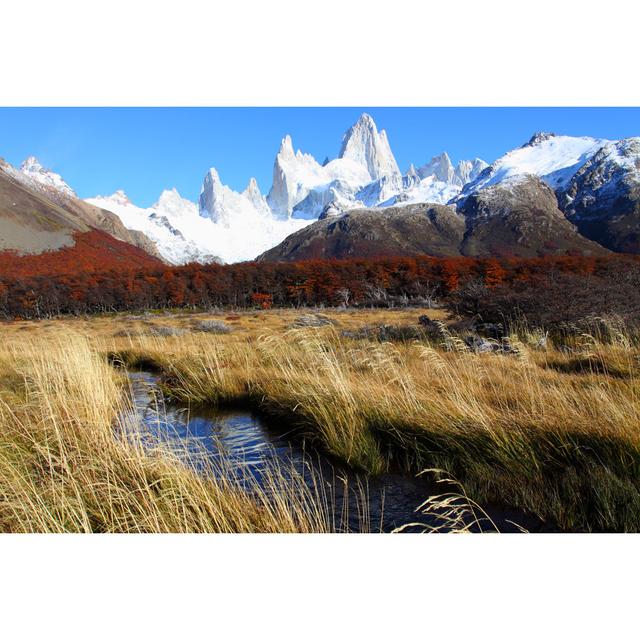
(554, 159)
(183, 235)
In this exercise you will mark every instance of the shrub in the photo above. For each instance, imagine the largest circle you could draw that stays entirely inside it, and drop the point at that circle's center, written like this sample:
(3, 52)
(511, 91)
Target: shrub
(166, 331)
(213, 326)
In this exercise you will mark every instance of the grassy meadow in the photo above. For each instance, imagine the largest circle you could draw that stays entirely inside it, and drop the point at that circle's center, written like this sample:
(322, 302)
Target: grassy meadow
(550, 428)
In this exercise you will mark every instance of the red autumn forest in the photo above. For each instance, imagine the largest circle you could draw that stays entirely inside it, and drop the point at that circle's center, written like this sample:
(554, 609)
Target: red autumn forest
(92, 251)
(86, 280)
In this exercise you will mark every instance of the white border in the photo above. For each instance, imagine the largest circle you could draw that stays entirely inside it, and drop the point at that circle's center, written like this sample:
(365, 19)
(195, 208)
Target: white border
(314, 586)
(334, 52)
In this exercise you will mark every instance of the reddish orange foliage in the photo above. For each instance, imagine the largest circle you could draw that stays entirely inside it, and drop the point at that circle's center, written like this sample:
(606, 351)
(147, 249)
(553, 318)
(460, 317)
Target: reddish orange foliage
(94, 251)
(101, 274)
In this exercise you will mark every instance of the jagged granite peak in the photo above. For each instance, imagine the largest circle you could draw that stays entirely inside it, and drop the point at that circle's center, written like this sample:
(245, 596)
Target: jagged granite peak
(255, 197)
(411, 178)
(252, 188)
(286, 147)
(364, 144)
(440, 167)
(297, 175)
(210, 201)
(289, 171)
(468, 170)
(32, 168)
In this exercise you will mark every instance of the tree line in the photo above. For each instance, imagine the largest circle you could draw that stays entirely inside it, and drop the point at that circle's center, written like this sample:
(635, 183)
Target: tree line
(347, 282)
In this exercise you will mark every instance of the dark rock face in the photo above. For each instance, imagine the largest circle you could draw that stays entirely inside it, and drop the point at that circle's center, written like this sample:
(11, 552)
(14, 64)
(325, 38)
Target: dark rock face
(603, 198)
(538, 137)
(400, 231)
(520, 217)
(514, 218)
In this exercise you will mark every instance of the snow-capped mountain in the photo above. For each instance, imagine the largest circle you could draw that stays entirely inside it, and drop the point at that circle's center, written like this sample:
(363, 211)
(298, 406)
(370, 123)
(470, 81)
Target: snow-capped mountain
(35, 176)
(441, 169)
(297, 174)
(603, 197)
(555, 159)
(238, 226)
(156, 223)
(596, 183)
(365, 174)
(226, 226)
(224, 206)
(32, 168)
(366, 146)
(611, 173)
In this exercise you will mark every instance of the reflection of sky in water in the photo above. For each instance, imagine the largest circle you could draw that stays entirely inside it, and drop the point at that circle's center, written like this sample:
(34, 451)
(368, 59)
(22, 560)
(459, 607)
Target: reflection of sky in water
(237, 439)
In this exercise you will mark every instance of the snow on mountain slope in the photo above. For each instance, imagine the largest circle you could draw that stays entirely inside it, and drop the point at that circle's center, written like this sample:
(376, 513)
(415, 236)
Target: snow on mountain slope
(155, 223)
(437, 182)
(442, 170)
(32, 168)
(365, 174)
(241, 225)
(554, 159)
(34, 175)
(174, 206)
(237, 226)
(427, 190)
(226, 207)
(227, 226)
(468, 170)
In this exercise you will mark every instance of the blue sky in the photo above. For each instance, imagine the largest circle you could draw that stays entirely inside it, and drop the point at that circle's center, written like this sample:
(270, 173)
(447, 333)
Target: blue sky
(145, 150)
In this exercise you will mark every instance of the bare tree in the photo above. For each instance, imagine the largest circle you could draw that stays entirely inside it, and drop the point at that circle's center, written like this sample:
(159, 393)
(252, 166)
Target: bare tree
(344, 295)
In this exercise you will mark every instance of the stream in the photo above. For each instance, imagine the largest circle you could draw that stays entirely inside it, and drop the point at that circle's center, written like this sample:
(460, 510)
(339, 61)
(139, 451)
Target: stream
(247, 446)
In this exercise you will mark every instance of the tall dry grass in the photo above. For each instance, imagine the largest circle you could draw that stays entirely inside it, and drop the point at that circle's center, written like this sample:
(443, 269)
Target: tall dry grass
(72, 457)
(552, 432)
(64, 469)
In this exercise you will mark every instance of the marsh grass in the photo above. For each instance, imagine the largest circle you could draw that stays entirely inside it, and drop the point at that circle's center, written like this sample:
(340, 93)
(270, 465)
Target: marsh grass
(547, 430)
(551, 428)
(64, 470)
(73, 459)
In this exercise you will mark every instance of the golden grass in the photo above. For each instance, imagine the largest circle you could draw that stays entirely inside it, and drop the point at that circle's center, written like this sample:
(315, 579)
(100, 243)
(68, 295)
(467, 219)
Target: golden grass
(63, 470)
(553, 433)
(550, 432)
